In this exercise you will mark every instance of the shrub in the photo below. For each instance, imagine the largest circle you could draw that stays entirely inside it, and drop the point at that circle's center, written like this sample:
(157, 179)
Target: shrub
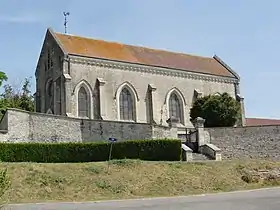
(217, 110)
(155, 150)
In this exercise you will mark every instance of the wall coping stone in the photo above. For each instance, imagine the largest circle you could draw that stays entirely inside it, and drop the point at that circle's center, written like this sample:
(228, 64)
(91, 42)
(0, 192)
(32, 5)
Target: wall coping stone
(213, 147)
(74, 118)
(242, 127)
(186, 148)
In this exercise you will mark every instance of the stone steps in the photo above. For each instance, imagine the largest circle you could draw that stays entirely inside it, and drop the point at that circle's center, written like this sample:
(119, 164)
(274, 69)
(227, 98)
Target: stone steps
(199, 157)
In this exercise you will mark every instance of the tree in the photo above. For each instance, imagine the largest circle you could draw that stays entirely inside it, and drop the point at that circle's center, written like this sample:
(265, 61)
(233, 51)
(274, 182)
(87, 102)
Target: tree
(26, 101)
(3, 77)
(20, 99)
(219, 110)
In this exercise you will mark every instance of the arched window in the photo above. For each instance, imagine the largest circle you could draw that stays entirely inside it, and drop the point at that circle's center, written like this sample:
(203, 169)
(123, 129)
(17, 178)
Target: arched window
(175, 109)
(83, 103)
(126, 105)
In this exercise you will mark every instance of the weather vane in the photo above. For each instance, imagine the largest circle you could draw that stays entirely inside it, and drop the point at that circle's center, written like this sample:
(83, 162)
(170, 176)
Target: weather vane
(65, 20)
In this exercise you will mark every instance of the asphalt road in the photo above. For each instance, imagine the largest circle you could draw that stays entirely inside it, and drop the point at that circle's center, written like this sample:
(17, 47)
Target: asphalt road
(265, 199)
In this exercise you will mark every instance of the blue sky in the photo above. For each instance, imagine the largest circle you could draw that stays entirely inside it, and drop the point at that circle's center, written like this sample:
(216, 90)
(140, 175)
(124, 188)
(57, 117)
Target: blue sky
(244, 33)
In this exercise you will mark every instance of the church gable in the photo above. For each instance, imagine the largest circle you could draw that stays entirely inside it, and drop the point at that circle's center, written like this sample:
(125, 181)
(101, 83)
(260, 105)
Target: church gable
(50, 50)
(48, 75)
(87, 47)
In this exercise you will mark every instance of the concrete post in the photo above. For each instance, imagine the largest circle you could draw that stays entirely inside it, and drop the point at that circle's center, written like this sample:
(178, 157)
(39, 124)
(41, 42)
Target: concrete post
(199, 125)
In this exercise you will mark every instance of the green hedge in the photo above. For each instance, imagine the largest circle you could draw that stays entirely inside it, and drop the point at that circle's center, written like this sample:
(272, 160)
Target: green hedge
(155, 150)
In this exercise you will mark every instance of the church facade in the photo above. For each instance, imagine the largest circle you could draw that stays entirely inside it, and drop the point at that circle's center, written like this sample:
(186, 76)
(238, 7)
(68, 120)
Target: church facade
(94, 79)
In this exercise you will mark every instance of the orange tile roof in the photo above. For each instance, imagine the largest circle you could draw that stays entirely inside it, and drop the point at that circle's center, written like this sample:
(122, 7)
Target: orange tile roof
(261, 121)
(140, 55)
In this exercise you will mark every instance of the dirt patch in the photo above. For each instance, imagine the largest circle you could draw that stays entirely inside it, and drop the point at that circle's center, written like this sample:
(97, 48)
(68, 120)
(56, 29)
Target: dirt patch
(266, 176)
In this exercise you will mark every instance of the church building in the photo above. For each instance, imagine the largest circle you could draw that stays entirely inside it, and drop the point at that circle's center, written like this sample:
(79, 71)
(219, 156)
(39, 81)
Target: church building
(94, 79)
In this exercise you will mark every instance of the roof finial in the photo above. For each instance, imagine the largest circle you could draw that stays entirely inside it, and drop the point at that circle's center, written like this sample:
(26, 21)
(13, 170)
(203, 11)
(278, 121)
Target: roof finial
(65, 20)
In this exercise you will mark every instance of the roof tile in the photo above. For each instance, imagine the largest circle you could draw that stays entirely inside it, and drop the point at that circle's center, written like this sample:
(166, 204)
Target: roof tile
(261, 121)
(141, 55)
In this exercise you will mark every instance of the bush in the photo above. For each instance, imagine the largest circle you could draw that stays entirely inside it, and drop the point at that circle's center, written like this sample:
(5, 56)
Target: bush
(217, 110)
(155, 150)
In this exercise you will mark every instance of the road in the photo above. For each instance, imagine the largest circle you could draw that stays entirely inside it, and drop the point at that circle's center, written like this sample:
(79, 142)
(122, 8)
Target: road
(265, 199)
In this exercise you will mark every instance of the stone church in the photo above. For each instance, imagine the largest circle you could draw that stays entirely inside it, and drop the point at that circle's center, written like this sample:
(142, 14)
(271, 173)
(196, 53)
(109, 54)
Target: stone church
(94, 79)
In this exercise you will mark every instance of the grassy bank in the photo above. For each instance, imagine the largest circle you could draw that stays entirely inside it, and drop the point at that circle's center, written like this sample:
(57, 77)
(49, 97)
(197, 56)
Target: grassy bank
(34, 182)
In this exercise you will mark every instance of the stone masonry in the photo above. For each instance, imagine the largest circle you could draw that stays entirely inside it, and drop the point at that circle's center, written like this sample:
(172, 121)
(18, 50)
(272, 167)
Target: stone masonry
(247, 142)
(234, 143)
(22, 126)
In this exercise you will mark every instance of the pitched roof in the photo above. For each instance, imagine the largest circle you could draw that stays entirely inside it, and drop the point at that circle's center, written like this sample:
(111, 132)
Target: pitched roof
(261, 121)
(83, 46)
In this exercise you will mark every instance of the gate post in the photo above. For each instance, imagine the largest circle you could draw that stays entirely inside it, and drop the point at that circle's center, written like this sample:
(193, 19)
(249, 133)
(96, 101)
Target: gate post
(199, 126)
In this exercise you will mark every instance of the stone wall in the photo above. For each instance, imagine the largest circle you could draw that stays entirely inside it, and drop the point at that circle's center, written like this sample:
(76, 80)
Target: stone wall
(36, 127)
(235, 143)
(160, 132)
(247, 142)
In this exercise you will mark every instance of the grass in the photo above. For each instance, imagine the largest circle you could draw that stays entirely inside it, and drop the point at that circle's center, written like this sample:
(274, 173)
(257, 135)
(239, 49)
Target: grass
(34, 182)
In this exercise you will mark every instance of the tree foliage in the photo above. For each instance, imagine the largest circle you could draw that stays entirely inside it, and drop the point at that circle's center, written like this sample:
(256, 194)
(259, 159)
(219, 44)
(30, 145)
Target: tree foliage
(20, 99)
(217, 110)
(3, 78)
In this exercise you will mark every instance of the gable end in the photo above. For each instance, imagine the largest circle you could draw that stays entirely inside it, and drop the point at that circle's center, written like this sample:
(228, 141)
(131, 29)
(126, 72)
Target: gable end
(49, 37)
(226, 66)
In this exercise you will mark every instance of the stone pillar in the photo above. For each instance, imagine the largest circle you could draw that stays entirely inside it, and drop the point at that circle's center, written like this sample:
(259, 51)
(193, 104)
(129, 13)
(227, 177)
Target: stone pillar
(102, 98)
(199, 125)
(62, 99)
(67, 93)
(241, 101)
(152, 90)
(173, 122)
(67, 107)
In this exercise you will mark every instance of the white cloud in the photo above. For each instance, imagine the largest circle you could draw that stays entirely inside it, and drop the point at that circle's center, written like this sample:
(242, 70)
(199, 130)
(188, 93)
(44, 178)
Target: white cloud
(24, 18)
